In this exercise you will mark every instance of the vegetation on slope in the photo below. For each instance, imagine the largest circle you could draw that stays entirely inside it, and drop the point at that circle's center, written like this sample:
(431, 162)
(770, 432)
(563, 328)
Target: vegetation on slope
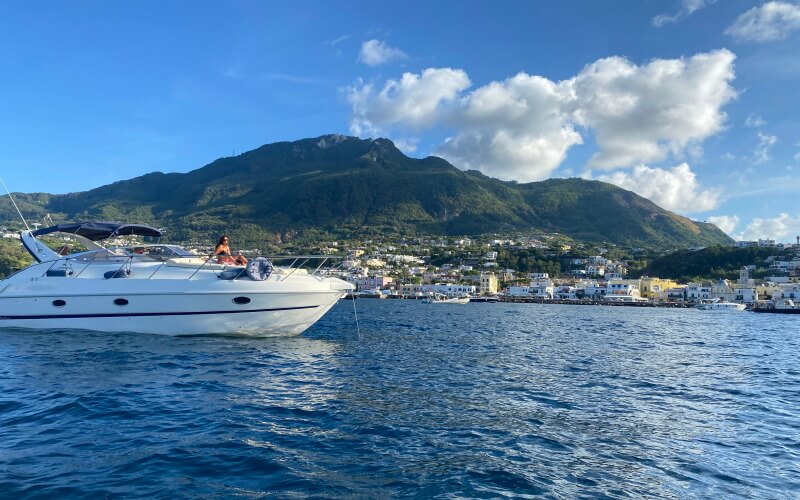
(346, 187)
(715, 262)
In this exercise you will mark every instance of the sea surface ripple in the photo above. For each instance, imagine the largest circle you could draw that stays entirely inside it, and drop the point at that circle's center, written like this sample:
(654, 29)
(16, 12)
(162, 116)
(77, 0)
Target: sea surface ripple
(477, 400)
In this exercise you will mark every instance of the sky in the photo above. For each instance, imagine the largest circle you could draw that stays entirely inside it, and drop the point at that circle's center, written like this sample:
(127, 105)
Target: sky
(693, 104)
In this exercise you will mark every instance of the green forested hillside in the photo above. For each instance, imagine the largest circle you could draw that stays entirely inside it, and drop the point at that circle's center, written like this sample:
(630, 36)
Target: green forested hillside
(715, 262)
(349, 187)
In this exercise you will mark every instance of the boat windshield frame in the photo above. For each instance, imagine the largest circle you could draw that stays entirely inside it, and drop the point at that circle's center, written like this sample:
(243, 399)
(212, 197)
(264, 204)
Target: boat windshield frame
(97, 255)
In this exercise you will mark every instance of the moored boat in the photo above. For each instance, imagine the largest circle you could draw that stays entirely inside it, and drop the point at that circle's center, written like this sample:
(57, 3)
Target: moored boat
(720, 305)
(778, 306)
(444, 299)
(159, 289)
(485, 299)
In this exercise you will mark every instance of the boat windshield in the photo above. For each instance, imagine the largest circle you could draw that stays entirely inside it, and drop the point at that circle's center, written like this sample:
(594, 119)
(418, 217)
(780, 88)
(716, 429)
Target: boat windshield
(102, 255)
(156, 252)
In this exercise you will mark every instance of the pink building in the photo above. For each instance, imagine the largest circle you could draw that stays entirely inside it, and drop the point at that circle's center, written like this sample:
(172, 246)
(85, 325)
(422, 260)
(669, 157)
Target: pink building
(372, 282)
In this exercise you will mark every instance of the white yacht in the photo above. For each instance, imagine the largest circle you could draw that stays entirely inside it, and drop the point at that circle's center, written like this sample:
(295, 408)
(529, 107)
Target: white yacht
(444, 299)
(159, 289)
(720, 305)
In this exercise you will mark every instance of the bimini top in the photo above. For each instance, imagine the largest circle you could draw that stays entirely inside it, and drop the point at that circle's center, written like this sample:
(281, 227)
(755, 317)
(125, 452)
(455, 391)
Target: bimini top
(95, 231)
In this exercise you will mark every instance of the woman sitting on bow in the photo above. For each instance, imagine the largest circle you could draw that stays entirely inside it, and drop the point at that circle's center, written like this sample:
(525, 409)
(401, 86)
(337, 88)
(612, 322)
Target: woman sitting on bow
(224, 256)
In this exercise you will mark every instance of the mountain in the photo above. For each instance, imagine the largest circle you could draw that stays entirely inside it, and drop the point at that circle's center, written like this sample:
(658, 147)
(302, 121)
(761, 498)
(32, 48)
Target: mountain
(349, 187)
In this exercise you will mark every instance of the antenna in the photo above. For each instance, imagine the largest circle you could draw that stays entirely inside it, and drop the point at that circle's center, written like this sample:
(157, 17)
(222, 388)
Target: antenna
(15, 205)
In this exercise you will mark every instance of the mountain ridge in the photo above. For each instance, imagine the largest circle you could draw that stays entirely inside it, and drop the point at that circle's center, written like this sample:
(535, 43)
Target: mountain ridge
(348, 186)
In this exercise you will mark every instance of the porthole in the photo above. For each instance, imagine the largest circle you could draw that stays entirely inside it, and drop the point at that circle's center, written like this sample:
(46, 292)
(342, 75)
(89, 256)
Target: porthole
(121, 302)
(241, 300)
(59, 303)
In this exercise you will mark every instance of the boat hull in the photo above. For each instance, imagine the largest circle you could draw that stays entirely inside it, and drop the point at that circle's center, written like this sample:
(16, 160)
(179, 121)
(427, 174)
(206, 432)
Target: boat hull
(263, 315)
(447, 301)
(170, 307)
(777, 311)
(721, 307)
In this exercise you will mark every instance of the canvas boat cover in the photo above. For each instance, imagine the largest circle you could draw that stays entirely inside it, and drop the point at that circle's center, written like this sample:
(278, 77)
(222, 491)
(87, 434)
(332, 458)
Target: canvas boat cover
(95, 231)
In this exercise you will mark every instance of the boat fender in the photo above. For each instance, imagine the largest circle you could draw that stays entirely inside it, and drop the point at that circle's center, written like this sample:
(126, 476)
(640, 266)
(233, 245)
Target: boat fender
(259, 269)
(119, 273)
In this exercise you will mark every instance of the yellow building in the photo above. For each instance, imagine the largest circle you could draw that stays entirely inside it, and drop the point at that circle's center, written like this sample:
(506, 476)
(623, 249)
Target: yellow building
(655, 288)
(488, 284)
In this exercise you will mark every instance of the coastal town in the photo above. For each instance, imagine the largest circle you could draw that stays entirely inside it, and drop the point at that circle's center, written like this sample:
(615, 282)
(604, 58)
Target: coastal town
(406, 270)
(553, 270)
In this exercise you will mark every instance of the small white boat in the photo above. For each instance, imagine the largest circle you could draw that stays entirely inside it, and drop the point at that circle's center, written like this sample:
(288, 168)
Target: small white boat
(720, 305)
(161, 289)
(371, 294)
(444, 299)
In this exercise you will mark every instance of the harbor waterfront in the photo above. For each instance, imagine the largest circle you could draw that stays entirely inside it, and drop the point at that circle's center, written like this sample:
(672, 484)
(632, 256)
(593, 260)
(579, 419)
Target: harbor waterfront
(506, 399)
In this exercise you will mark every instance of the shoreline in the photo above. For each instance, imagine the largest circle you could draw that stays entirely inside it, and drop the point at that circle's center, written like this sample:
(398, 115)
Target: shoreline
(531, 300)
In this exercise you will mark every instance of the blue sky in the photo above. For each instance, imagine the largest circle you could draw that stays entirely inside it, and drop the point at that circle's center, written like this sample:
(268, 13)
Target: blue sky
(691, 103)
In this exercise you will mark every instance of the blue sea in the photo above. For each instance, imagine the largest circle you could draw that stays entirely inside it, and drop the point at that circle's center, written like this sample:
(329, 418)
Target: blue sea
(476, 400)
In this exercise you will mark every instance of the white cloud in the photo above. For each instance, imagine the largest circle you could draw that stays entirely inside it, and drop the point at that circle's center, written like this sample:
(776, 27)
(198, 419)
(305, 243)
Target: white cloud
(768, 22)
(336, 41)
(521, 128)
(728, 156)
(781, 228)
(689, 7)
(376, 52)
(765, 143)
(416, 100)
(727, 223)
(797, 156)
(517, 129)
(676, 189)
(407, 145)
(644, 113)
(754, 121)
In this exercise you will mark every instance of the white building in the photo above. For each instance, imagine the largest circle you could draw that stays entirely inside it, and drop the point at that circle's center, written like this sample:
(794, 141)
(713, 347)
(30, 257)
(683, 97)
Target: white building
(696, 292)
(408, 259)
(598, 259)
(566, 292)
(596, 270)
(537, 289)
(594, 290)
(785, 265)
(790, 291)
(538, 276)
(623, 291)
(744, 277)
(723, 290)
